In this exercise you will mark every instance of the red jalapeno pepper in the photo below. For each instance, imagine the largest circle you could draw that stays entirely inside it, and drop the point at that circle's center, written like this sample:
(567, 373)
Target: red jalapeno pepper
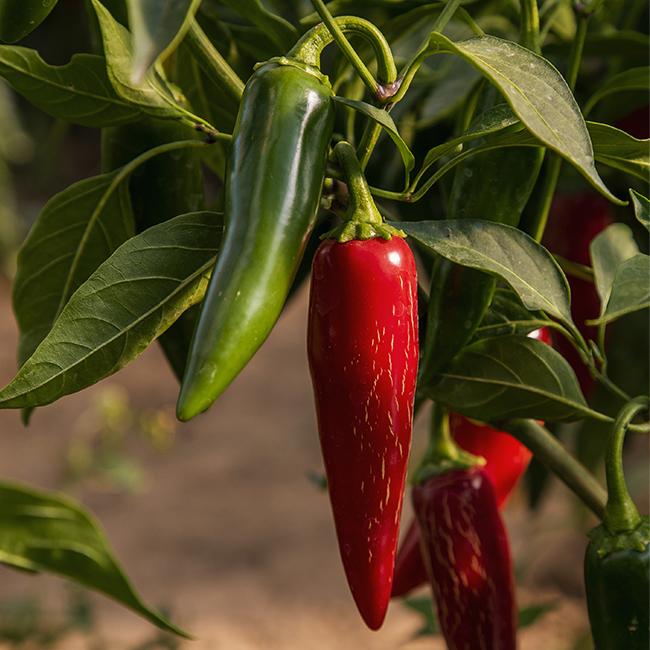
(363, 356)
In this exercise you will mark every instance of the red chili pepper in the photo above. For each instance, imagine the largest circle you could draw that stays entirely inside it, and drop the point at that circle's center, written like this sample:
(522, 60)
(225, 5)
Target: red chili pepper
(363, 356)
(575, 219)
(506, 459)
(467, 556)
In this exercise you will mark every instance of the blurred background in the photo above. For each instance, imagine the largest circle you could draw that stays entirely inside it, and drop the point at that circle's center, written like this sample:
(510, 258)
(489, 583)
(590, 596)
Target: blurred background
(222, 522)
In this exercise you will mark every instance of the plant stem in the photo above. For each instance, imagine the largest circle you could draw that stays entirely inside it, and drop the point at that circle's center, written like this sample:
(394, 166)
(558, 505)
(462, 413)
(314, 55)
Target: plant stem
(361, 206)
(212, 63)
(309, 48)
(538, 222)
(529, 28)
(551, 453)
(574, 269)
(620, 513)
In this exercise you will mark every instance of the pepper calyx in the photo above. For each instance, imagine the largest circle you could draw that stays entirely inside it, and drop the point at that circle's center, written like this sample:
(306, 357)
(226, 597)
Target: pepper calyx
(632, 540)
(362, 231)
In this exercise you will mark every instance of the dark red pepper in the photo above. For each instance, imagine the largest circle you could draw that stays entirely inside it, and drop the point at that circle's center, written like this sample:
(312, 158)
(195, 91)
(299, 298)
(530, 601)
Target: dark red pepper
(363, 356)
(467, 556)
(506, 459)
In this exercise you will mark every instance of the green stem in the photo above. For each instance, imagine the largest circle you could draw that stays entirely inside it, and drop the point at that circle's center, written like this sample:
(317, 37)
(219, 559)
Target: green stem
(212, 63)
(368, 141)
(310, 47)
(361, 205)
(411, 68)
(529, 28)
(540, 218)
(574, 269)
(443, 454)
(551, 453)
(620, 513)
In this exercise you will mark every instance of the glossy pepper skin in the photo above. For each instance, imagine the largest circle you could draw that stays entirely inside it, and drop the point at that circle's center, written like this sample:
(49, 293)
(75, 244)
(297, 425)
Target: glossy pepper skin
(467, 556)
(617, 579)
(506, 459)
(273, 185)
(363, 356)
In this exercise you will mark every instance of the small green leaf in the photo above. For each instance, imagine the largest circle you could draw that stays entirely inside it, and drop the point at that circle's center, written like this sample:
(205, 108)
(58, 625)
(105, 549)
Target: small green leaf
(608, 250)
(386, 122)
(153, 96)
(632, 79)
(503, 251)
(531, 614)
(507, 315)
(158, 26)
(130, 300)
(641, 208)
(630, 290)
(510, 377)
(18, 18)
(79, 91)
(620, 150)
(538, 95)
(424, 607)
(41, 531)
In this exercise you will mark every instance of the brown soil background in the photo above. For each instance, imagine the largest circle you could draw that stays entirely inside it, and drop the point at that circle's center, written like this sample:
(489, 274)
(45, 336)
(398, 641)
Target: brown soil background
(229, 533)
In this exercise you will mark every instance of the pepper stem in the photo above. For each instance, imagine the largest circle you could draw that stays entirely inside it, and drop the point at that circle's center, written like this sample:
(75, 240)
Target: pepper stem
(443, 454)
(621, 514)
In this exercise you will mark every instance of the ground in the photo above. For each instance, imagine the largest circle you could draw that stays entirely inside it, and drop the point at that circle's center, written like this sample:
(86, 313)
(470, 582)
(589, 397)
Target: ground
(230, 534)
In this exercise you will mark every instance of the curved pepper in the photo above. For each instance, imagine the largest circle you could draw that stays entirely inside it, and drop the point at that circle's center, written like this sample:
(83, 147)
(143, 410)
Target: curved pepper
(273, 186)
(467, 556)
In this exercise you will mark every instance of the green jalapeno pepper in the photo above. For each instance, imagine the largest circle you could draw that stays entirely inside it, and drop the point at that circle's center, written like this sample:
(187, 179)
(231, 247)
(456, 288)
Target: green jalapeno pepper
(617, 561)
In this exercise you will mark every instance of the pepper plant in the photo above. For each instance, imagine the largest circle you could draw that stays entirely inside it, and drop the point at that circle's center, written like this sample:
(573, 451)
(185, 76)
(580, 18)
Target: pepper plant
(236, 135)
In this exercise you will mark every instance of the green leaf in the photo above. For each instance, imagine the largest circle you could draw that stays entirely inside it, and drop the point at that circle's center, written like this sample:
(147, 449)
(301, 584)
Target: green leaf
(510, 377)
(531, 614)
(283, 34)
(386, 122)
(494, 120)
(18, 18)
(158, 26)
(132, 298)
(538, 95)
(78, 91)
(503, 251)
(424, 607)
(632, 79)
(76, 231)
(615, 148)
(41, 531)
(630, 290)
(153, 96)
(641, 208)
(608, 250)
(507, 315)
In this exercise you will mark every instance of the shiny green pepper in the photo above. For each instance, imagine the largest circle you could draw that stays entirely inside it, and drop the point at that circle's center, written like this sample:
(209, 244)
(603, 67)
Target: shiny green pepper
(273, 187)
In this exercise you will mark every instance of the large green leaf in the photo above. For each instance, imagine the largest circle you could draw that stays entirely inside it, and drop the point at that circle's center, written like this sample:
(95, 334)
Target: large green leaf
(41, 531)
(158, 26)
(538, 95)
(76, 231)
(509, 377)
(18, 18)
(632, 79)
(503, 251)
(630, 290)
(78, 91)
(132, 298)
(153, 95)
(507, 315)
(615, 148)
(608, 250)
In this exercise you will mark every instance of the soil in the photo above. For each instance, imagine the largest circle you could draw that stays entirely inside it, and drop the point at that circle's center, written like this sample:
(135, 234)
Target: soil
(230, 535)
